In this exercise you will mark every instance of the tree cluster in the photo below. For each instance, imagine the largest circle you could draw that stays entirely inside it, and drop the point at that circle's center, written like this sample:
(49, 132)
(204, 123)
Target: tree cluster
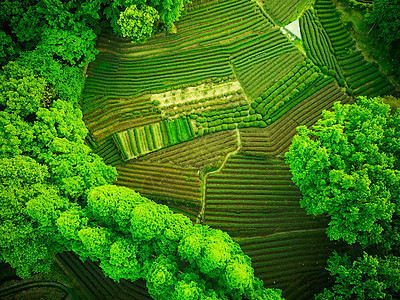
(384, 28)
(348, 167)
(131, 236)
(54, 191)
(64, 32)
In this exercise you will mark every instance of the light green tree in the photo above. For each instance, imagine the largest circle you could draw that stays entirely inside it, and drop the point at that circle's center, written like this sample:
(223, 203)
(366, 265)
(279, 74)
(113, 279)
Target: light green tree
(137, 24)
(28, 208)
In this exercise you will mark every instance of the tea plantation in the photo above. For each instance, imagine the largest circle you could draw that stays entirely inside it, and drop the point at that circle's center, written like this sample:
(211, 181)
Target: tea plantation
(199, 118)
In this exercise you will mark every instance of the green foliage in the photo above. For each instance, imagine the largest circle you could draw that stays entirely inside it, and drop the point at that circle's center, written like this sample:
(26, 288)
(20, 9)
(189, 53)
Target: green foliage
(20, 90)
(145, 12)
(28, 206)
(368, 277)
(72, 46)
(122, 262)
(164, 248)
(347, 166)
(161, 277)
(8, 49)
(149, 221)
(54, 135)
(384, 18)
(170, 11)
(67, 81)
(137, 24)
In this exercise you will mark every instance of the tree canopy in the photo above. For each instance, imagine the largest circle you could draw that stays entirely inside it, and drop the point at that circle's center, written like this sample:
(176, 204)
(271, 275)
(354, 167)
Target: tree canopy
(137, 24)
(385, 26)
(348, 167)
(54, 191)
(367, 277)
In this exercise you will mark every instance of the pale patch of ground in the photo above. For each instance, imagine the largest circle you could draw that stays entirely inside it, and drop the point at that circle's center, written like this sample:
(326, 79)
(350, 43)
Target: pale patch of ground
(294, 28)
(198, 92)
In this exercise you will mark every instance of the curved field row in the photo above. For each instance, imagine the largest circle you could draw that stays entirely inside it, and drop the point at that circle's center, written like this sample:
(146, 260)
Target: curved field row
(317, 43)
(210, 151)
(113, 115)
(293, 261)
(89, 281)
(301, 82)
(179, 188)
(109, 152)
(123, 76)
(255, 201)
(364, 78)
(276, 138)
(254, 195)
(34, 289)
(216, 120)
(203, 38)
(271, 55)
(283, 12)
(266, 71)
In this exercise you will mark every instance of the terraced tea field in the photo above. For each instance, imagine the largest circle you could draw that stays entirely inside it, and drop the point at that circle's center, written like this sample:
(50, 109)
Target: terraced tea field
(200, 120)
(255, 201)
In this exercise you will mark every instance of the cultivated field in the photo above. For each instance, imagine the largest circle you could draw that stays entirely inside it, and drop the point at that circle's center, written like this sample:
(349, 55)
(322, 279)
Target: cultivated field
(200, 120)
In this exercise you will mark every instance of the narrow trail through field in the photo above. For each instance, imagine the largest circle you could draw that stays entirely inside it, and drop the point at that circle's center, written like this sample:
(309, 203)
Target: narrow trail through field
(200, 216)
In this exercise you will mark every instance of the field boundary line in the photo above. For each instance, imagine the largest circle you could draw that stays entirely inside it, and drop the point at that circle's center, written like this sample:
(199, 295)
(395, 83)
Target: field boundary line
(279, 233)
(200, 216)
(269, 18)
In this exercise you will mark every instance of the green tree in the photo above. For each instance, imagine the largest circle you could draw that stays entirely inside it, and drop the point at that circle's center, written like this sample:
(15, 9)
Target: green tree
(347, 166)
(20, 89)
(137, 24)
(170, 11)
(28, 208)
(367, 277)
(385, 26)
(167, 11)
(8, 49)
(122, 262)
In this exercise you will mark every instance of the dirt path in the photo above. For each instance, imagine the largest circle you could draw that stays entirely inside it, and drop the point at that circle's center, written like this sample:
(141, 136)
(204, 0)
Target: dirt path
(200, 216)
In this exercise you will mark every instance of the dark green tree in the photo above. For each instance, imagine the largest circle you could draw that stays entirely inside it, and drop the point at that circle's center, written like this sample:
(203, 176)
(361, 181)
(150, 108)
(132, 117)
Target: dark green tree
(367, 277)
(384, 20)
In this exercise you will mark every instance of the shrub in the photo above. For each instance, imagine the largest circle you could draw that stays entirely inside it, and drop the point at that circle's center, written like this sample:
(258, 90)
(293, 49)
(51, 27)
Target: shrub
(253, 117)
(301, 87)
(350, 91)
(332, 73)
(262, 124)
